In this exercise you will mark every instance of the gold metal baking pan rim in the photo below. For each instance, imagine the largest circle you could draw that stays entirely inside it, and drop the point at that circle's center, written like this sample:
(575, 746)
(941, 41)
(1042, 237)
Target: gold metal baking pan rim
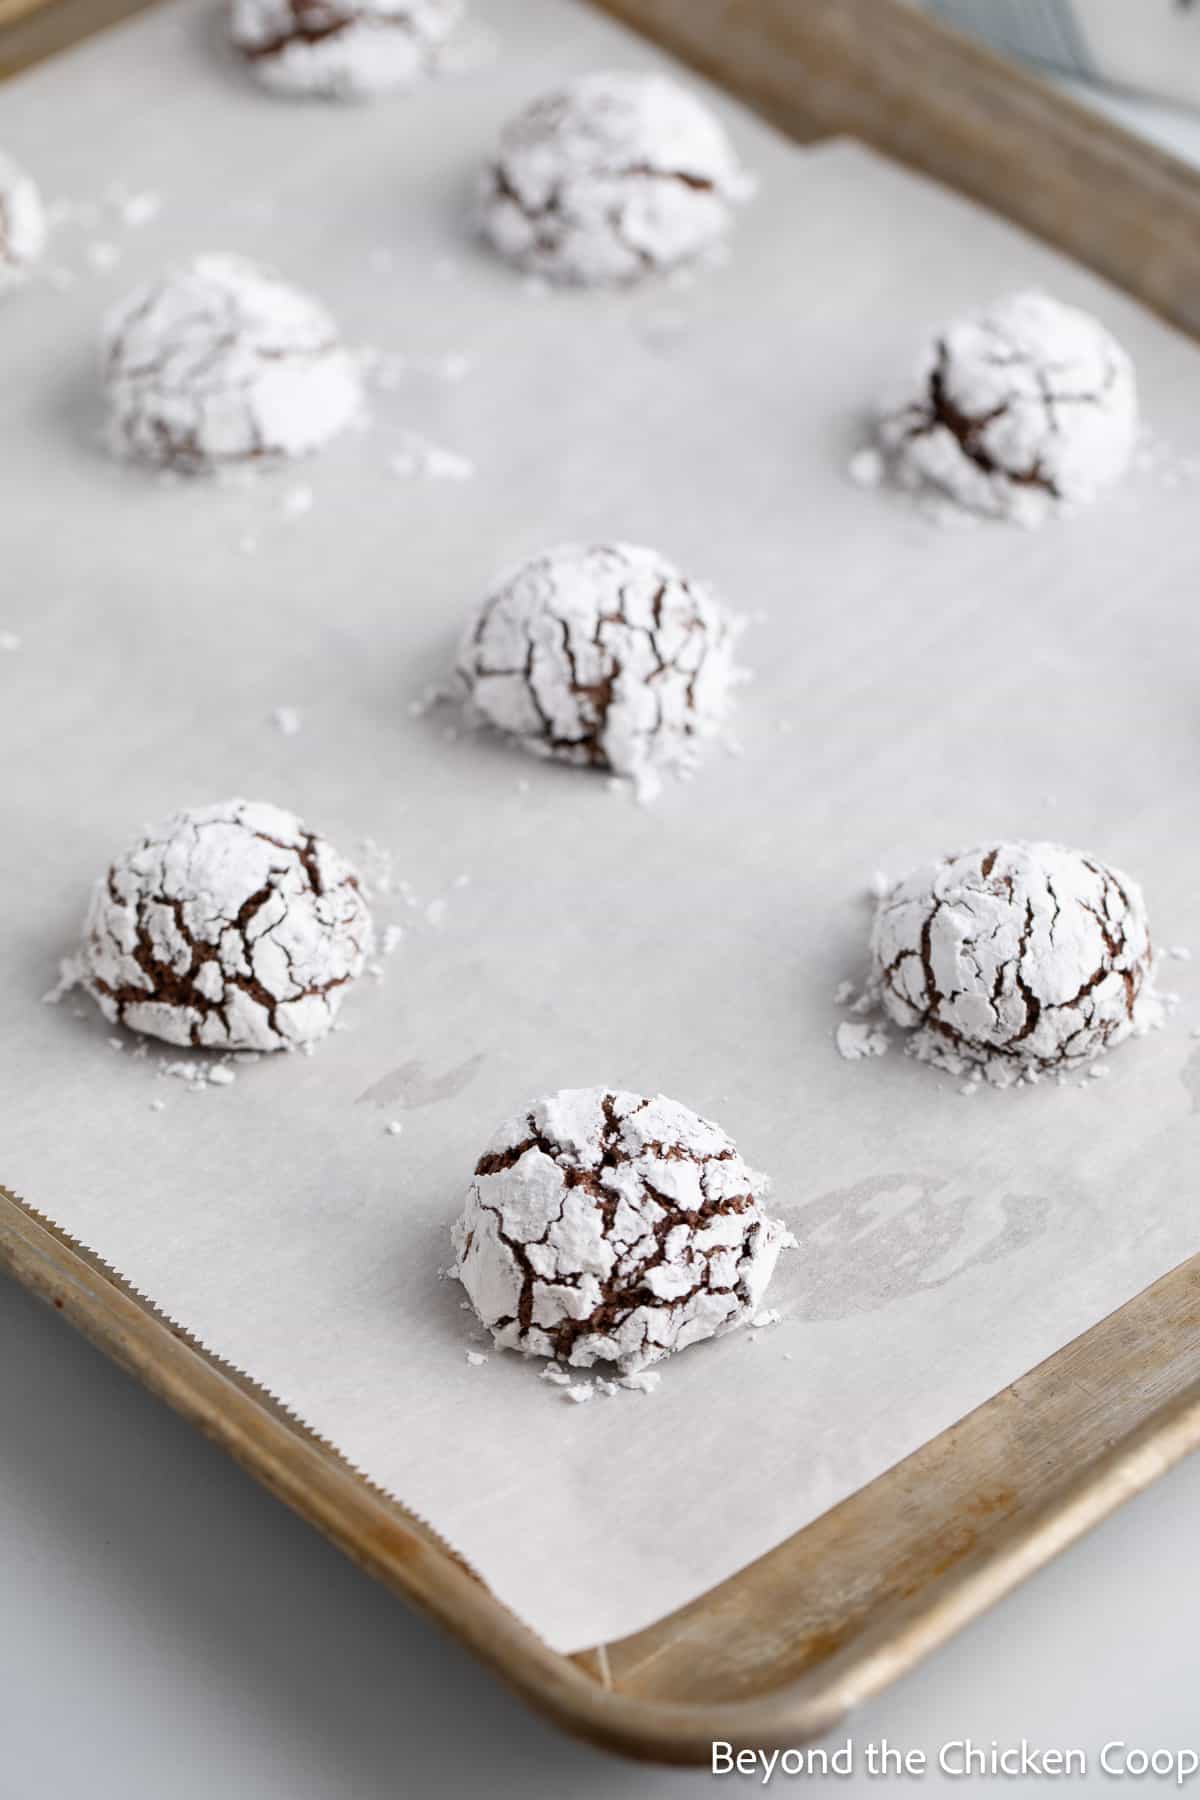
(782, 1651)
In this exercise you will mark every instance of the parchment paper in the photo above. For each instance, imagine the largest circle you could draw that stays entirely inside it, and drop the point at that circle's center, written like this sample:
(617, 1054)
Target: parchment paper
(917, 689)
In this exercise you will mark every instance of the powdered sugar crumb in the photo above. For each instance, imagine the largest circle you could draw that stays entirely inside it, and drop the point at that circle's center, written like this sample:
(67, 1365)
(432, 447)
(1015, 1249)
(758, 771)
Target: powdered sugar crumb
(866, 468)
(69, 976)
(856, 1040)
(417, 457)
(643, 1382)
(296, 502)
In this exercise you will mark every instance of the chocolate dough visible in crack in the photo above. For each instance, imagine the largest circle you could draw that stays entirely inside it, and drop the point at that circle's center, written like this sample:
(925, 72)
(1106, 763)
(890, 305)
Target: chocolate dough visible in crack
(1022, 406)
(228, 927)
(609, 178)
(604, 656)
(219, 363)
(1028, 955)
(341, 49)
(604, 1226)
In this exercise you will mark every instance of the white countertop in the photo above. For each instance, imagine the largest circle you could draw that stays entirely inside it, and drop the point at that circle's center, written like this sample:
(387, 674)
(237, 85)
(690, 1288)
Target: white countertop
(167, 1631)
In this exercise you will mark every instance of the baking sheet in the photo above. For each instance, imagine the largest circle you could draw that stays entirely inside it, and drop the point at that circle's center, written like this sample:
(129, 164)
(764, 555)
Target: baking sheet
(917, 689)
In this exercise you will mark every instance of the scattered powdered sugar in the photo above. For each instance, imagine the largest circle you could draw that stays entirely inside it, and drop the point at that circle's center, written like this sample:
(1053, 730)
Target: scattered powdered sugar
(417, 457)
(857, 1039)
(866, 467)
(342, 49)
(219, 363)
(297, 502)
(70, 975)
(286, 720)
(604, 1227)
(228, 926)
(387, 369)
(606, 657)
(10, 642)
(23, 226)
(197, 1076)
(1025, 408)
(134, 209)
(1014, 961)
(644, 1381)
(394, 1127)
(609, 177)
(476, 1358)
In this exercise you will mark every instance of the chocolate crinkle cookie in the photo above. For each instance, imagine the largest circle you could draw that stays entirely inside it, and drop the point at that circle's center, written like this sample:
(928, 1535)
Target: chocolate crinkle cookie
(341, 49)
(1016, 411)
(1023, 959)
(604, 1227)
(227, 927)
(221, 363)
(22, 224)
(609, 178)
(604, 656)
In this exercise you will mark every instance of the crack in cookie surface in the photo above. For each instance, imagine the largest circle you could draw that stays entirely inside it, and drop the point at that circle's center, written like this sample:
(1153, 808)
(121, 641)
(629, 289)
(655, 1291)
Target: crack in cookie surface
(220, 363)
(1030, 954)
(228, 927)
(607, 179)
(604, 656)
(342, 49)
(606, 1226)
(1026, 405)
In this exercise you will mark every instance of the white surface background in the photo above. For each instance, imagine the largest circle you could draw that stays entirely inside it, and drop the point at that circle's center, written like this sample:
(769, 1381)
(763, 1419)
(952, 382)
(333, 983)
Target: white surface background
(166, 1630)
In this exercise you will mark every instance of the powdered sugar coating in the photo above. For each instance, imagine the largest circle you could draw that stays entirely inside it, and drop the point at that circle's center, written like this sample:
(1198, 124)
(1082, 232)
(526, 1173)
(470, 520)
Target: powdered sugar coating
(1027, 955)
(601, 655)
(341, 49)
(605, 1227)
(220, 362)
(608, 178)
(1016, 408)
(229, 927)
(22, 224)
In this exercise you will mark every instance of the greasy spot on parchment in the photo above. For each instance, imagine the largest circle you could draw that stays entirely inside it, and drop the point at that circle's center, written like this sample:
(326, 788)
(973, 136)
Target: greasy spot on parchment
(893, 1236)
(411, 1085)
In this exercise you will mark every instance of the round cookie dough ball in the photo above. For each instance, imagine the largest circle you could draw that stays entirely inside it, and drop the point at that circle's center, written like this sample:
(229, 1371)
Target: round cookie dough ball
(1027, 958)
(341, 49)
(603, 656)
(22, 224)
(228, 927)
(1016, 408)
(221, 363)
(609, 178)
(602, 1226)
